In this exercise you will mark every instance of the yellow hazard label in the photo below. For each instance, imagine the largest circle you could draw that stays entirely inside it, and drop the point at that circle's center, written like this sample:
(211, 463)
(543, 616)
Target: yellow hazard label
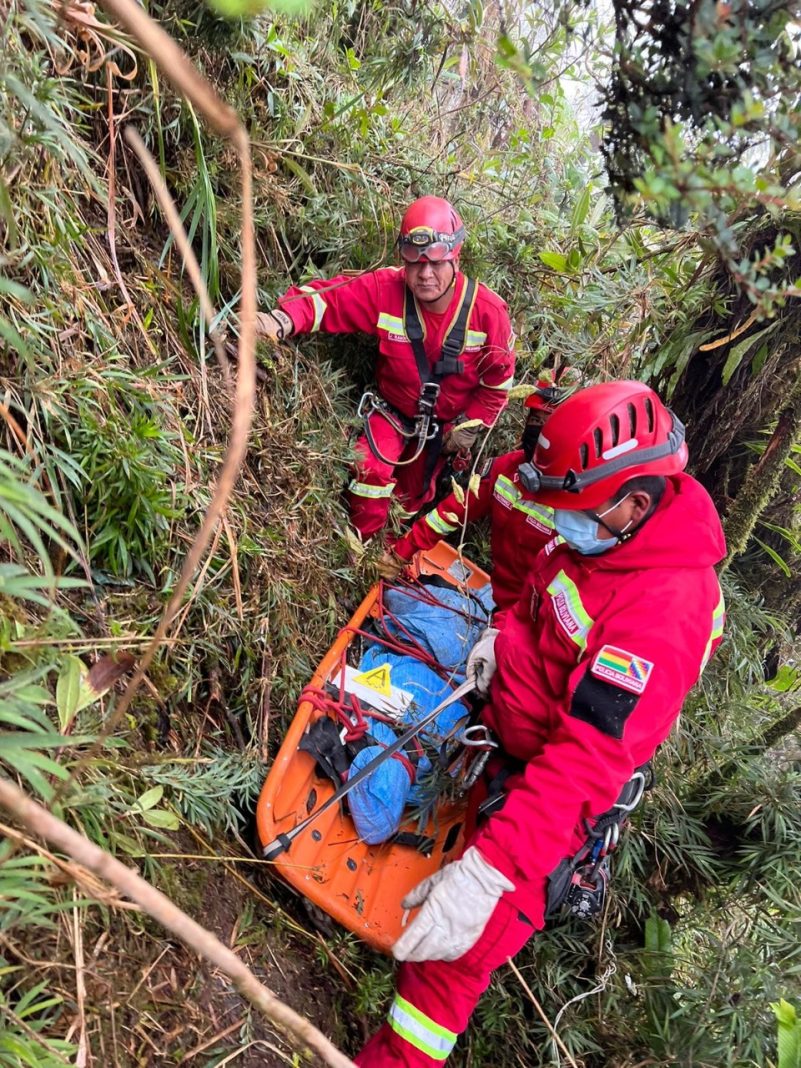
(377, 679)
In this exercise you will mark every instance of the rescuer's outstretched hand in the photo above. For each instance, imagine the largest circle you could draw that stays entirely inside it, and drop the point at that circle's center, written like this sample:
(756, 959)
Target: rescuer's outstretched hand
(389, 565)
(273, 325)
(462, 438)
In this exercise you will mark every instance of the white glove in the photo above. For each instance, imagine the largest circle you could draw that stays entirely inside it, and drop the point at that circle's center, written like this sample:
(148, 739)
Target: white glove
(457, 904)
(481, 661)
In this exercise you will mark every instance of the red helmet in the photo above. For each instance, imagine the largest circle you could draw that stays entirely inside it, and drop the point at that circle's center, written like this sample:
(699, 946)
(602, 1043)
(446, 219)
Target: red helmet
(600, 438)
(550, 389)
(432, 228)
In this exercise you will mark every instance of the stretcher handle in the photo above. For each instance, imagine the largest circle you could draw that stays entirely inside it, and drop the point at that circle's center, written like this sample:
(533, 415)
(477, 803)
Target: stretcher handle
(281, 843)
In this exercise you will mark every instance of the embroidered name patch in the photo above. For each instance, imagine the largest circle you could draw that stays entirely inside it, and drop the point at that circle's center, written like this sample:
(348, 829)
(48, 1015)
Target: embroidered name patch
(622, 668)
(537, 524)
(499, 497)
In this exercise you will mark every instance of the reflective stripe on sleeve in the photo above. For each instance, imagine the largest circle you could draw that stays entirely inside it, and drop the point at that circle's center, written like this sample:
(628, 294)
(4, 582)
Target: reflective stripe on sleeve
(440, 525)
(364, 489)
(571, 614)
(718, 617)
(504, 386)
(504, 487)
(393, 323)
(420, 1030)
(319, 307)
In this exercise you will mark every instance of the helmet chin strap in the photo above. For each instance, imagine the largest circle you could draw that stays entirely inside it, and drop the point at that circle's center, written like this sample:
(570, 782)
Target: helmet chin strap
(445, 290)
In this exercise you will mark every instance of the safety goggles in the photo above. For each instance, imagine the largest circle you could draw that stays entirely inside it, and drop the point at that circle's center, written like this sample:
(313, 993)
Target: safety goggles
(423, 241)
(534, 480)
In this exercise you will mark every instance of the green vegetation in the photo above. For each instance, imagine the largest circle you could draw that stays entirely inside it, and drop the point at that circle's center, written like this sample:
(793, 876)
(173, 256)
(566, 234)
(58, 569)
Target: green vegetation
(114, 416)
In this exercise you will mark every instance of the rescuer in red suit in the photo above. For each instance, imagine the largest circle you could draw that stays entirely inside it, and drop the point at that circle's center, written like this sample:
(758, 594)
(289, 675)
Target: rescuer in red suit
(583, 681)
(519, 525)
(445, 358)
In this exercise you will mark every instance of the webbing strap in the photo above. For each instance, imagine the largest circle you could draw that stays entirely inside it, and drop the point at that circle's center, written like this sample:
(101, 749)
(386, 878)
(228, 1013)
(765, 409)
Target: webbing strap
(453, 345)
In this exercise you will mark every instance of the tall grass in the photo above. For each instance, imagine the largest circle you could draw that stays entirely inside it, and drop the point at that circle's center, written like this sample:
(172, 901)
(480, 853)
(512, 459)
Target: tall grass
(112, 423)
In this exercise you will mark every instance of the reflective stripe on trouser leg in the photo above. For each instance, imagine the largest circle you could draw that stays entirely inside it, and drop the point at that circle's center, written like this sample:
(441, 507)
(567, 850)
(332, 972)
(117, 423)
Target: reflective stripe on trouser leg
(370, 491)
(363, 489)
(368, 512)
(444, 994)
(420, 1030)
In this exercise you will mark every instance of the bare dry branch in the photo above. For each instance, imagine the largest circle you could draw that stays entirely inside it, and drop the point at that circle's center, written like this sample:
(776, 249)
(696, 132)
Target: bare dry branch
(173, 218)
(38, 821)
(178, 68)
(541, 1012)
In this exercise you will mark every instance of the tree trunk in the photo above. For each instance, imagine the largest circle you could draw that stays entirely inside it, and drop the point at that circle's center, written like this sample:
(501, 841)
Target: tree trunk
(762, 481)
(763, 742)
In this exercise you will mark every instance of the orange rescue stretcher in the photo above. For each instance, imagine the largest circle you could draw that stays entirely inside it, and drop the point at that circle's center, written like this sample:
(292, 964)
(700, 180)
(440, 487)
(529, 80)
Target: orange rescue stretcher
(359, 885)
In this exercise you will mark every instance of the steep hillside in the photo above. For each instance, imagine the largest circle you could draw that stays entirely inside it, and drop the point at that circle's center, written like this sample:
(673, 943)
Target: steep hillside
(114, 416)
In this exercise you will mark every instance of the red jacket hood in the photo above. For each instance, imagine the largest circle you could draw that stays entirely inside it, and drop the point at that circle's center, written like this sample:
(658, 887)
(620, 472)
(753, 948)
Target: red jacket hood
(684, 532)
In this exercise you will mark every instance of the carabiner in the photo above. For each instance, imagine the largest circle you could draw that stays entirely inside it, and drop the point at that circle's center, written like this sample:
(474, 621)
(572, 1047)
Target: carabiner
(366, 398)
(639, 779)
(486, 741)
(477, 765)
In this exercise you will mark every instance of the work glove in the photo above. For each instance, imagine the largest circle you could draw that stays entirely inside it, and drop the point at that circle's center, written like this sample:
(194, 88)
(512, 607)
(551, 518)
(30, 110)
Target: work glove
(481, 661)
(389, 565)
(457, 903)
(274, 325)
(461, 437)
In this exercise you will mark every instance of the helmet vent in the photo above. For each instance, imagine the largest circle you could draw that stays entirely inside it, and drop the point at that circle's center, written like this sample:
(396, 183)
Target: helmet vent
(632, 420)
(649, 411)
(584, 453)
(599, 441)
(615, 425)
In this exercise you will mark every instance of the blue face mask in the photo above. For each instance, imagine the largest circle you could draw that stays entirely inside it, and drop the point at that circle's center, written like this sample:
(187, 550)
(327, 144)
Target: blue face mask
(580, 531)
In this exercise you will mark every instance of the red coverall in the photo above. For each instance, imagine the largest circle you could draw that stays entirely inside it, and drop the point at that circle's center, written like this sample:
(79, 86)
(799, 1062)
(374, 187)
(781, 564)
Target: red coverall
(519, 527)
(373, 304)
(593, 665)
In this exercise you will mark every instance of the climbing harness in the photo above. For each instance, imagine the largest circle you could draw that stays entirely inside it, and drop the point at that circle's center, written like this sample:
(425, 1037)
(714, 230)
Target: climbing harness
(577, 886)
(424, 427)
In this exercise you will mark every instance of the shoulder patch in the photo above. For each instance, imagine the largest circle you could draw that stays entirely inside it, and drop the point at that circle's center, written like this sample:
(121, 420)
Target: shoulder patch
(486, 467)
(622, 668)
(604, 705)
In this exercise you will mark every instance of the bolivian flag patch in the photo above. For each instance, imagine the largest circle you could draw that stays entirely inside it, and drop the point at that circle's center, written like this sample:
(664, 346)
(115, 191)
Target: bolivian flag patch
(621, 668)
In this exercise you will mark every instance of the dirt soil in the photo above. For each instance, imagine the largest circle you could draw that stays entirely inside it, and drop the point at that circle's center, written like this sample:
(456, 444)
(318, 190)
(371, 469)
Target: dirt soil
(149, 1002)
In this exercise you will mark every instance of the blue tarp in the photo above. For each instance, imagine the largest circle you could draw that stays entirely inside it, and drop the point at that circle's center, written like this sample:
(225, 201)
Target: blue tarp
(446, 634)
(377, 803)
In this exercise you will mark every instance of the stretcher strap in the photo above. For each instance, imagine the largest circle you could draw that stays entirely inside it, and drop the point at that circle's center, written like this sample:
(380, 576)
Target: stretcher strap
(346, 708)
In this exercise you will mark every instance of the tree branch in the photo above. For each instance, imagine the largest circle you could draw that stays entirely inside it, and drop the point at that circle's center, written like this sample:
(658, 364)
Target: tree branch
(37, 820)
